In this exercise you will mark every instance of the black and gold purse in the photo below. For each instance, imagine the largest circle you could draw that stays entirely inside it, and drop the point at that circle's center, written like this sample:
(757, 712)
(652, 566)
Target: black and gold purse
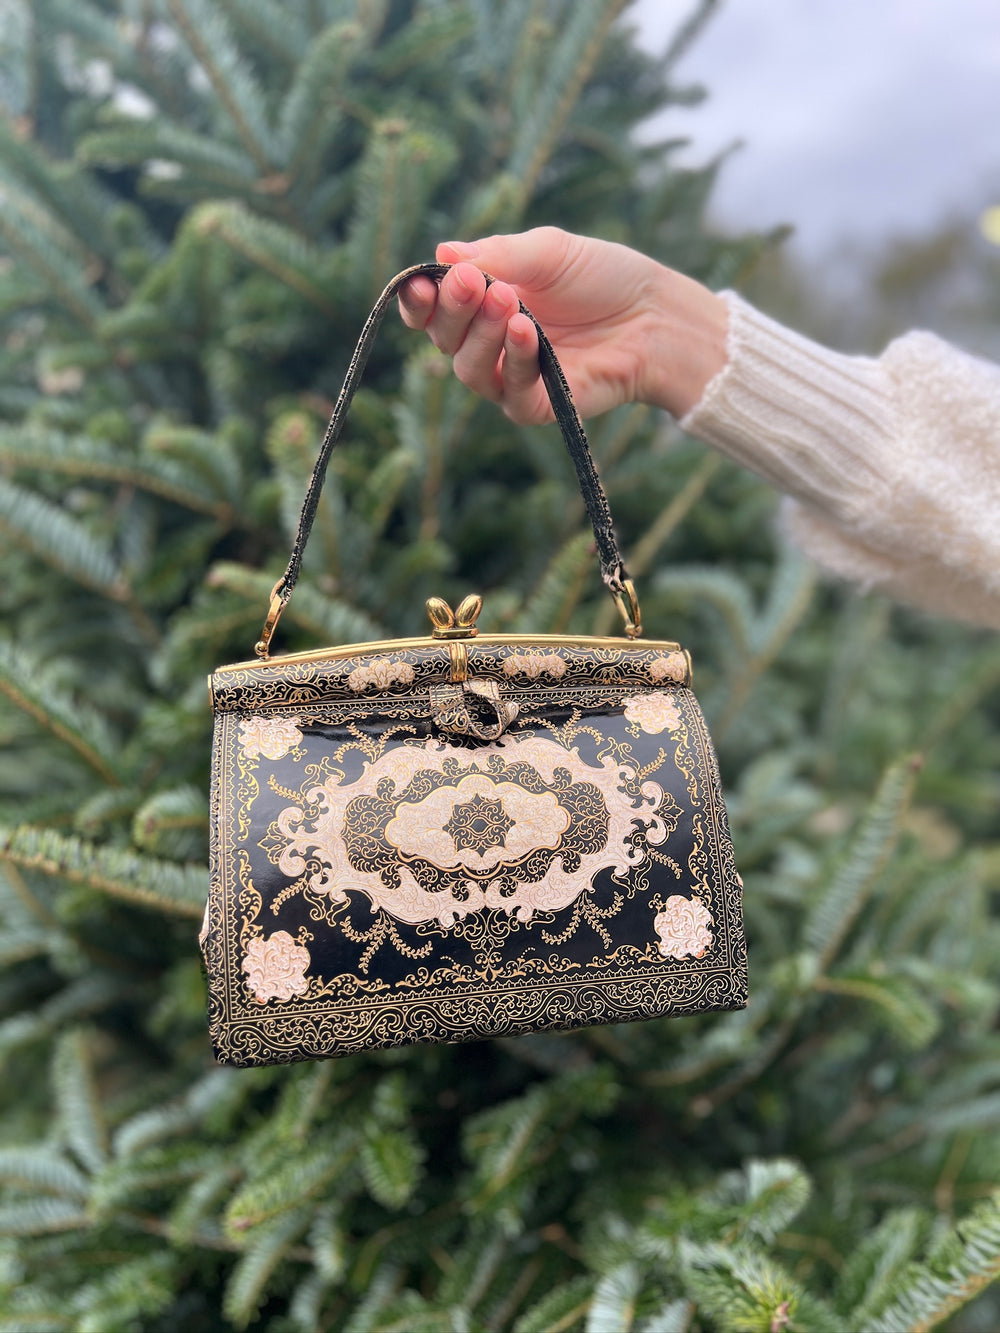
(465, 835)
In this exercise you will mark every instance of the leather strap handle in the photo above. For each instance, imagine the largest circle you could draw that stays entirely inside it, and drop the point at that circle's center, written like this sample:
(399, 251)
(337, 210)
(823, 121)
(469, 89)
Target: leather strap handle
(613, 570)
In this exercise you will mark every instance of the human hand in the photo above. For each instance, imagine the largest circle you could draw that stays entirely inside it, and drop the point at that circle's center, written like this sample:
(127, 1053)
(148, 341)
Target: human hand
(625, 329)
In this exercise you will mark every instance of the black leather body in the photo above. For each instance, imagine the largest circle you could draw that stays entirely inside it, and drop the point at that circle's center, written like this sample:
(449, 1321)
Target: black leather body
(383, 875)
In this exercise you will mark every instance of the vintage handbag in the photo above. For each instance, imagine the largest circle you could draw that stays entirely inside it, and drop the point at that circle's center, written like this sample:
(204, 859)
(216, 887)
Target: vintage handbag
(466, 835)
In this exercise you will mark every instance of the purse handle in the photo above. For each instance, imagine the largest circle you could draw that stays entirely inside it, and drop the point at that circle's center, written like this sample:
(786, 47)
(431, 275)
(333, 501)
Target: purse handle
(613, 570)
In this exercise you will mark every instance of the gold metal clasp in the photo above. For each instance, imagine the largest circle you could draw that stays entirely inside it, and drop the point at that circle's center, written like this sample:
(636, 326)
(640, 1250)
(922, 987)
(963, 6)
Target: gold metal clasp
(474, 708)
(628, 605)
(449, 624)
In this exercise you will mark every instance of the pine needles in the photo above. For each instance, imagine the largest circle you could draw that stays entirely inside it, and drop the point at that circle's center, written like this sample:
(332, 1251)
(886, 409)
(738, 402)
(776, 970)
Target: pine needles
(198, 202)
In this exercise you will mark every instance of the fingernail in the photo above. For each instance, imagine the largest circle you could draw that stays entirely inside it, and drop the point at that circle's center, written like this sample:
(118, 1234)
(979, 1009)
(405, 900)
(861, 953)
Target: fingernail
(517, 336)
(462, 249)
(497, 302)
(465, 290)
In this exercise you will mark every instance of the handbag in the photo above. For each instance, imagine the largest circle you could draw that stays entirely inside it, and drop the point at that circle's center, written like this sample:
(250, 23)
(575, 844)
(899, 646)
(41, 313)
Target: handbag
(466, 835)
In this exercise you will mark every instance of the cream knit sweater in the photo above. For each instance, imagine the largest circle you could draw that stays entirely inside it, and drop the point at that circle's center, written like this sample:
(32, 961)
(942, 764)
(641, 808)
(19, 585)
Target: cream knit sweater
(893, 465)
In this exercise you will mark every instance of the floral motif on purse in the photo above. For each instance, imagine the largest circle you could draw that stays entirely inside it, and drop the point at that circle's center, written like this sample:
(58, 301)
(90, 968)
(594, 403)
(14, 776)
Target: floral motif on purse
(467, 835)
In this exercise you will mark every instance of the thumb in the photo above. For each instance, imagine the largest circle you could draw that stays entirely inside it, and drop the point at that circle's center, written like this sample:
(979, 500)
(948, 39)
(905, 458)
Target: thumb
(533, 258)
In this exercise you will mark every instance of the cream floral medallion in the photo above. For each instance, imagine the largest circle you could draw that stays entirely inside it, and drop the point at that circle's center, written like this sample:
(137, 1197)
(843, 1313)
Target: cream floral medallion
(434, 832)
(673, 666)
(683, 928)
(381, 674)
(653, 712)
(276, 967)
(534, 665)
(271, 737)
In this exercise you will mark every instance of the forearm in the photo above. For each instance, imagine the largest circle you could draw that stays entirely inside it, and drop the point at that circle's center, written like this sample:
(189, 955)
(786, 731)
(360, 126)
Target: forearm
(814, 423)
(894, 463)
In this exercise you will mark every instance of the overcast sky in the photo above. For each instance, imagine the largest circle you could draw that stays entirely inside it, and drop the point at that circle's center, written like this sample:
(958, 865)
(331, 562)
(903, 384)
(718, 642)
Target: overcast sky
(860, 118)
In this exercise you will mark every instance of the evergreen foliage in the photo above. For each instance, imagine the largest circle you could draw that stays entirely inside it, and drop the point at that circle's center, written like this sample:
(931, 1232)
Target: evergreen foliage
(199, 201)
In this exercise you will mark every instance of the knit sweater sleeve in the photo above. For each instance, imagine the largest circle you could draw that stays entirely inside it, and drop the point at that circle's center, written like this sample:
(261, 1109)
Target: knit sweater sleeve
(892, 465)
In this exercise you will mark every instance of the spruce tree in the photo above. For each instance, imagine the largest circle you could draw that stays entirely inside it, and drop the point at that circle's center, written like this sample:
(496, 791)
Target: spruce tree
(200, 198)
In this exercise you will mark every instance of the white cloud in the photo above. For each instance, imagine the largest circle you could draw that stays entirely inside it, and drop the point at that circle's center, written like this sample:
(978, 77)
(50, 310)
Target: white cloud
(857, 115)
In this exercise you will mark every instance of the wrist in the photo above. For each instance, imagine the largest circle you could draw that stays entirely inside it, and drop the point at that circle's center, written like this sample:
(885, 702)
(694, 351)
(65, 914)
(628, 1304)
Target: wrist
(687, 346)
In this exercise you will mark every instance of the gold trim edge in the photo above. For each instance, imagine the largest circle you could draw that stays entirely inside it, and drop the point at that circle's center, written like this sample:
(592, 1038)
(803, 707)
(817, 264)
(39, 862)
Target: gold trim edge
(657, 970)
(483, 640)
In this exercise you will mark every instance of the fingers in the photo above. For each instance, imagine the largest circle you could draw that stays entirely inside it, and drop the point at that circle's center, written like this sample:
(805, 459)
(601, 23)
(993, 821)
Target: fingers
(417, 299)
(477, 360)
(444, 311)
(459, 298)
(453, 252)
(535, 258)
(495, 349)
(499, 357)
(522, 391)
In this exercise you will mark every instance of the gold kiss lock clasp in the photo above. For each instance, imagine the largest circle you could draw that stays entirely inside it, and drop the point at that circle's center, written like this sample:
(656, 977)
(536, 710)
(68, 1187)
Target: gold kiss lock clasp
(458, 624)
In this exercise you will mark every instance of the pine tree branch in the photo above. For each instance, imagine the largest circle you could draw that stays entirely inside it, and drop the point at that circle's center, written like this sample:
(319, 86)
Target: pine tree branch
(126, 875)
(81, 457)
(258, 241)
(705, 1104)
(963, 1264)
(313, 107)
(277, 26)
(223, 166)
(68, 194)
(205, 1240)
(527, 170)
(221, 79)
(682, 39)
(836, 909)
(29, 242)
(552, 602)
(61, 541)
(29, 690)
(33, 904)
(790, 597)
(327, 618)
(79, 1109)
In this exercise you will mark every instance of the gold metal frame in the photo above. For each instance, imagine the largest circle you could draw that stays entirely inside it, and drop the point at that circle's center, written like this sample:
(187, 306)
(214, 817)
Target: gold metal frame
(428, 641)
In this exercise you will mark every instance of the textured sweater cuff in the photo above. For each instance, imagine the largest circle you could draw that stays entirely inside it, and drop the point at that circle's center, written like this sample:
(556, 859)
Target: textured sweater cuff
(804, 418)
